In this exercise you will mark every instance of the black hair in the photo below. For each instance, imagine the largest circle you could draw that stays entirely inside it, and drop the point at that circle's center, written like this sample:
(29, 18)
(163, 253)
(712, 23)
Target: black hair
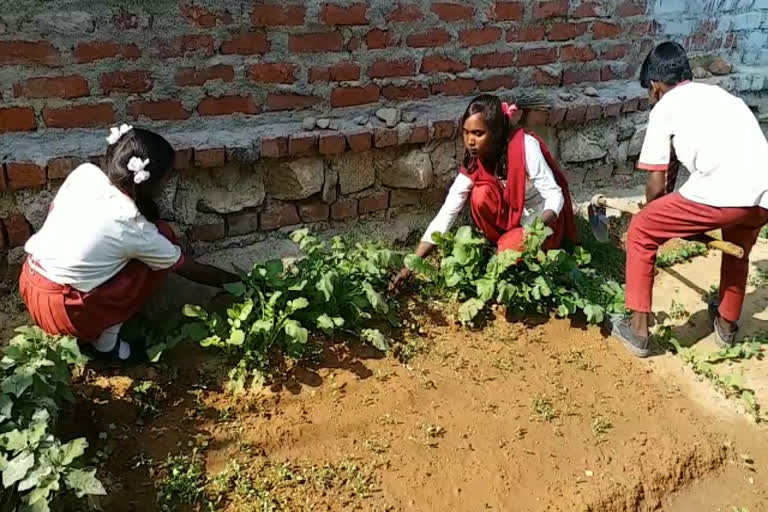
(668, 64)
(142, 144)
(500, 127)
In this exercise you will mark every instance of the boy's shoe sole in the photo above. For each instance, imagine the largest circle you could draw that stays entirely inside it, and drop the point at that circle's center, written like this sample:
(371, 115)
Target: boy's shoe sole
(722, 339)
(622, 330)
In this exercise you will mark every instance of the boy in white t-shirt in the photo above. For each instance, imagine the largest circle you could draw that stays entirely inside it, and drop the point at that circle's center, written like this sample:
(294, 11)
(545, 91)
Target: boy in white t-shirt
(103, 251)
(718, 139)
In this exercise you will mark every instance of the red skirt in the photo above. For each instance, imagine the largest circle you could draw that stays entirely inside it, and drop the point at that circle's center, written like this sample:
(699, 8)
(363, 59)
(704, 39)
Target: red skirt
(62, 310)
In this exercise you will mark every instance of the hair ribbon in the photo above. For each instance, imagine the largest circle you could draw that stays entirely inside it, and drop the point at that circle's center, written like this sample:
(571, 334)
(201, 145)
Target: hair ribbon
(509, 109)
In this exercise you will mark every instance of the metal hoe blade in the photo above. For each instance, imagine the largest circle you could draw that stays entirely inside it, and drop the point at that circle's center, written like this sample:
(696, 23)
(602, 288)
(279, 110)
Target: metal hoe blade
(598, 221)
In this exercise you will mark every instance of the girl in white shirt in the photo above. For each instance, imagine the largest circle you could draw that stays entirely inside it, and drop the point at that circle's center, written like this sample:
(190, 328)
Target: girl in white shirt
(509, 178)
(103, 250)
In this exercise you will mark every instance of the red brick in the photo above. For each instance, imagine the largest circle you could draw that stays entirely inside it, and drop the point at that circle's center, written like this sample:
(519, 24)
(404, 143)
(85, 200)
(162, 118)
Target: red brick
(278, 15)
(314, 211)
(300, 145)
(183, 160)
(630, 8)
(209, 158)
(443, 129)
(553, 9)
(251, 43)
(479, 36)
(209, 232)
(408, 92)
(493, 60)
(275, 147)
(618, 71)
(346, 71)
(321, 42)
(350, 96)
(644, 104)
(59, 168)
(453, 12)
(288, 101)
(440, 64)
(576, 114)
(158, 110)
(28, 52)
(79, 116)
(586, 10)
(577, 53)
(24, 175)
(430, 39)
(242, 222)
(332, 144)
(615, 52)
(566, 31)
(556, 116)
(546, 77)
(199, 16)
(184, 46)
(377, 39)
(344, 209)
(72, 86)
(402, 197)
(409, 13)
(375, 203)
(285, 215)
(647, 28)
(359, 142)
(17, 120)
(392, 68)
(497, 82)
(612, 108)
(272, 73)
(419, 135)
(18, 230)
(97, 50)
(526, 34)
(536, 117)
(603, 30)
(630, 105)
(226, 105)
(571, 76)
(126, 82)
(384, 138)
(354, 14)
(194, 76)
(536, 56)
(456, 87)
(594, 111)
(508, 11)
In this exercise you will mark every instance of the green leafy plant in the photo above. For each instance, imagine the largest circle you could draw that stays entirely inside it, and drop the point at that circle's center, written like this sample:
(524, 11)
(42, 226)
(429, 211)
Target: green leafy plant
(685, 252)
(147, 394)
(182, 482)
(332, 290)
(532, 281)
(36, 466)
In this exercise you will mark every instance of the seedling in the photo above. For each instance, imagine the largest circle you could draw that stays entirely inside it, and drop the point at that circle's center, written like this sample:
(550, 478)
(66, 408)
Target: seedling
(148, 395)
(542, 407)
(601, 426)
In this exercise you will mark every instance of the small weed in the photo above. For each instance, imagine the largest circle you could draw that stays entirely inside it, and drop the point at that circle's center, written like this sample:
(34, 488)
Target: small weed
(687, 251)
(182, 482)
(434, 431)
(506, 365)
(413, 347)
(543, 408)
(677, 311)
(578, 359)
(760, 278)
(148, 395)
(377, 446)
(601, 426)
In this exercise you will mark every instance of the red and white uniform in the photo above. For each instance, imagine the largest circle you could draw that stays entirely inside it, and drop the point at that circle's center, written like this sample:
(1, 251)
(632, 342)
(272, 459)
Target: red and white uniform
(718, 139)
(96, 260)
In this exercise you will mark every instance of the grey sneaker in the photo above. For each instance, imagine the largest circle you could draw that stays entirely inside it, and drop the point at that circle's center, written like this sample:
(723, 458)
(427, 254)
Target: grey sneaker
(621, 329)
(723, 338)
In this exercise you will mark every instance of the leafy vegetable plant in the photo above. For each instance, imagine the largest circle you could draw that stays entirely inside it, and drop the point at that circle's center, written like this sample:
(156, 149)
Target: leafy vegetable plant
(530, 281)
(35, 464)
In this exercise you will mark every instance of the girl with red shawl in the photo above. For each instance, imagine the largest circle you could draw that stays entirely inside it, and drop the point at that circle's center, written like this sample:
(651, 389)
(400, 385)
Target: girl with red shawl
(509, 178)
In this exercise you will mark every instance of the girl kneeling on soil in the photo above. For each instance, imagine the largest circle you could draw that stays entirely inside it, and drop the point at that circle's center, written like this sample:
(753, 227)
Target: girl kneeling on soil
(510, 179)
(103, 251)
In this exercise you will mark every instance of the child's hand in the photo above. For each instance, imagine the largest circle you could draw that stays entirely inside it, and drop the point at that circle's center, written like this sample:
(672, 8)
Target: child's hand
(399, 279)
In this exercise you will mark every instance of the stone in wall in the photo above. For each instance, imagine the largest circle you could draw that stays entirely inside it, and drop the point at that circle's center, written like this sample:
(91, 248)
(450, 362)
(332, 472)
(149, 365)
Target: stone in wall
(355, 171)
(579, 147)
(636, 142)
(445, 164)
(35, 204)
(409, 168)
(291, 180)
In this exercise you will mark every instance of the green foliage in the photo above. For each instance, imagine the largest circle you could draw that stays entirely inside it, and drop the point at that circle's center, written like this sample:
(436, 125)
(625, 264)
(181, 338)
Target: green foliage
(148, 395)
(332, 289)
(687, 251)
(35, 464)
(182, 483)
(531, 281)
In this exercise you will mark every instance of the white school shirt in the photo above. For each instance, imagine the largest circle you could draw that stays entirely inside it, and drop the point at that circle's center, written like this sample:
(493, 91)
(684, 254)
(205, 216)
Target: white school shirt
(542, 193)
(92, 231)
(717, 138)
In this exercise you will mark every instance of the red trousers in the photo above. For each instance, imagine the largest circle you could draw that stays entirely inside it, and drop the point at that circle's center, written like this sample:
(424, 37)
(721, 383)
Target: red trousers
(673, 216)
(489, 209)
(62, 310)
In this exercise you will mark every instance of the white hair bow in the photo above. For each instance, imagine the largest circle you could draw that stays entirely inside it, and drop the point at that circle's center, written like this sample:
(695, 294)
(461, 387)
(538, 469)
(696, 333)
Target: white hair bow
(137, 166)
(115, 133)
